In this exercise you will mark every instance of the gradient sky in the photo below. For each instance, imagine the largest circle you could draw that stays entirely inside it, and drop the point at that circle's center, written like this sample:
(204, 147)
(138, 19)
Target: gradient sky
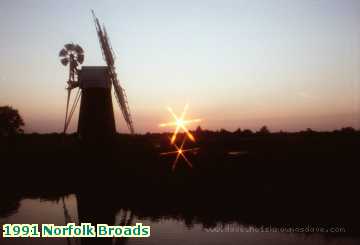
(286, 64)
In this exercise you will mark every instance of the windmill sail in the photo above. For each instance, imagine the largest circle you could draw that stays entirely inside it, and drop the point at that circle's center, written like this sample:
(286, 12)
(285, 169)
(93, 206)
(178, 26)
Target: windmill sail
(109, 58)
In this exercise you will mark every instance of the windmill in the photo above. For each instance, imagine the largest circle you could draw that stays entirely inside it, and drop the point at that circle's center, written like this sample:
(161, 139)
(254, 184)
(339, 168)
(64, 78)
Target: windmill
(96, 116)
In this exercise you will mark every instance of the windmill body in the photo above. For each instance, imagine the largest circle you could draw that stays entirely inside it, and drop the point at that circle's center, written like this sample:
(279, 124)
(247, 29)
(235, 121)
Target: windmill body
(96, 116)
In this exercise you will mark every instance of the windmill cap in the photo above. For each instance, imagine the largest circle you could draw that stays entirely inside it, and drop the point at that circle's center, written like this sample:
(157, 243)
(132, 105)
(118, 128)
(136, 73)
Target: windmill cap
(94, 77)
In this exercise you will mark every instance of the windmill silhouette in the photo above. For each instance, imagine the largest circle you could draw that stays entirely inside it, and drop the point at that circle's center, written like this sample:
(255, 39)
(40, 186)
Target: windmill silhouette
(94, 84)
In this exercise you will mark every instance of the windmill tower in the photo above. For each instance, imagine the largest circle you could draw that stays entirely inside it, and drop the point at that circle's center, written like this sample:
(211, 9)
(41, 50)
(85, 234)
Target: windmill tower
(94, 85)
(96, 116)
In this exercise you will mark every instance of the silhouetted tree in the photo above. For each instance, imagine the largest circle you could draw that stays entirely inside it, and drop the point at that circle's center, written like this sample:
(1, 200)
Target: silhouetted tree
(198, 130)
(247, 132)
(264, 130)
(224, 132)
(308, 131)
(348, 130)
(10, 121)
(238, 131)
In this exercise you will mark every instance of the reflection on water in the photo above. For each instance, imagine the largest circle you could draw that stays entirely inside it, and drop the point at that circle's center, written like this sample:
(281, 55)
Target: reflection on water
(164, 230)
(237, 153)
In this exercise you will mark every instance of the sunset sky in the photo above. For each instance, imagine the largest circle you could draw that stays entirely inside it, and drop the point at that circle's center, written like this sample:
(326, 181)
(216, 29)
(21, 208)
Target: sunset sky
(290, 65)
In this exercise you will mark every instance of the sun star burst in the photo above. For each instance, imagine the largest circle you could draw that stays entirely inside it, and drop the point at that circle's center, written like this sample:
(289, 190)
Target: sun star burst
(180, 123)
(180, 152)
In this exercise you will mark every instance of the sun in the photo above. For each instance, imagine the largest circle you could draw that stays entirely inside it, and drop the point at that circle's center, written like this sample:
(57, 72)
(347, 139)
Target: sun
(180, 123)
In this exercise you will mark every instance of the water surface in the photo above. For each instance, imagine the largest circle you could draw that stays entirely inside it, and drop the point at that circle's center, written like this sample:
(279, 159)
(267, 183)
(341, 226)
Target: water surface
(164, 230)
